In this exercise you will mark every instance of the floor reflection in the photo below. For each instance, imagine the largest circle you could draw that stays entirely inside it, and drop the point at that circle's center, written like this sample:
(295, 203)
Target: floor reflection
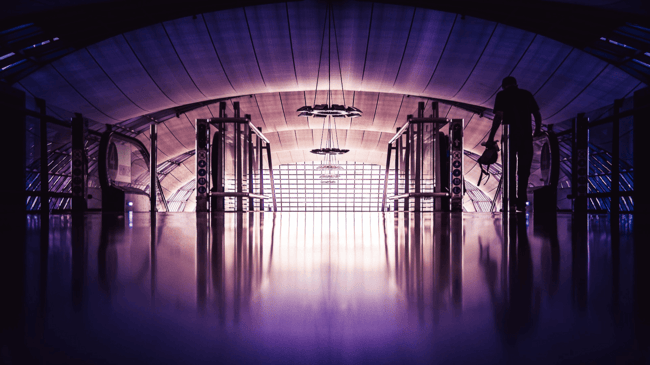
(330, 288)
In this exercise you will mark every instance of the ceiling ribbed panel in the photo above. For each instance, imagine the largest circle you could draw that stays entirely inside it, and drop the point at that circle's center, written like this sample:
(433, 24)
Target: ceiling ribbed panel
(537, 65)
(467, 40)
(155, 51)
(116, 58)
(191, 41)
(352, 27)
(269, 30)
(306, 22)
(386, 45)
(233, 44)
(95, 86)
(48, 84)
(290, 102)
(486, 77)
(426, 42)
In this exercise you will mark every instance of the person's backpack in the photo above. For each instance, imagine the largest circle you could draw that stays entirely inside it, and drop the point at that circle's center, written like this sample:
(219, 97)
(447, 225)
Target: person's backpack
(488, 157)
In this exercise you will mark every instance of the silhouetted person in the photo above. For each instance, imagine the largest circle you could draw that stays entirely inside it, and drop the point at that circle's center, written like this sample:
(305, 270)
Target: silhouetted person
(514, 107)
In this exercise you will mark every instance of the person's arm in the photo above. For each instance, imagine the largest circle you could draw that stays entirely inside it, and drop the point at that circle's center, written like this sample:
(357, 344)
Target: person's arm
(538, 122)
(498, 116)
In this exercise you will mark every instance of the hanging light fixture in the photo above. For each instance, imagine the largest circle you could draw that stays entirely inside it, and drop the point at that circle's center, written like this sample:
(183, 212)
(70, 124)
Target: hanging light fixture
(329, 110)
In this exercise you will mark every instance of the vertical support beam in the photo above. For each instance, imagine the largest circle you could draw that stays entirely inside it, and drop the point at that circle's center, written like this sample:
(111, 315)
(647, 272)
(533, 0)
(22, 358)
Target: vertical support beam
(153, 166)
(251, 152)
(261, 158)
(580, 168)
(418, 166)
(398, 152)
(505, 168)
(456, 184)
(202, 165)
(383, 200)
(268, 155)
(222, 109)
(79, 164)
(44, 168)
(641, 213)
(238, 165)
(616, 157)
(13, 223)
(437, 163)
(407, 163)
(641, 131)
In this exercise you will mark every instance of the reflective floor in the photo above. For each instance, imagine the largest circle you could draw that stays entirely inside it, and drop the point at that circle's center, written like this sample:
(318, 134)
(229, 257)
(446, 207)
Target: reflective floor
(328, 288)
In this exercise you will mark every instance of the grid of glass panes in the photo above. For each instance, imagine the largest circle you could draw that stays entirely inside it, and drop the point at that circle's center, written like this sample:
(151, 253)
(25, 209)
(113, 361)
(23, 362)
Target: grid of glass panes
(298, 187)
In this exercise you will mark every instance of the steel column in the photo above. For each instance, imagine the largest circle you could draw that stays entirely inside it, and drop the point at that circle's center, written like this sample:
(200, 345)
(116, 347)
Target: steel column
(616, 157)
(153, 166)
(45, 169)
(505, 168)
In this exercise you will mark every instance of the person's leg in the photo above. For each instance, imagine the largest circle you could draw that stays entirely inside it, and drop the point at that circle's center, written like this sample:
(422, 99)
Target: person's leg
(525, 155)
(512, 172)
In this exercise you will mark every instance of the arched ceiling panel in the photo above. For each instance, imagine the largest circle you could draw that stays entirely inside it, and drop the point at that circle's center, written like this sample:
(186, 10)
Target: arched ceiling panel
(269, 29)
(288, 140)
(158, 56)
(115, 57)
(502, 54)
(232, 40)
(352, 28)
(48, 84)
(425, 44)
(272, 111)
(367, 102)
(250, 105)
(386, 45)
(194, 47)
(571, 78)
(467, 39)
(386, 112)
(290, 102)
(305, 139)
(611, 81)
(538, 64)
(96, 87)
(306, 21)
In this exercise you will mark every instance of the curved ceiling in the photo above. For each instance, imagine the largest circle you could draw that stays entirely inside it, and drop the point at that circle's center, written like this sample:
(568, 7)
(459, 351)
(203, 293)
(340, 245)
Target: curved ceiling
(267, 58)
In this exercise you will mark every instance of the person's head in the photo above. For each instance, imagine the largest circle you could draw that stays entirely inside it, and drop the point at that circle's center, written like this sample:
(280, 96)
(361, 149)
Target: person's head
(509, 82)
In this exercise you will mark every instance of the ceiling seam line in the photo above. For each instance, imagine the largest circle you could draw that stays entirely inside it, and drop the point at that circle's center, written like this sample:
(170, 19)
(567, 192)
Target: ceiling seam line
(293, 58)
(46, 104)
(217, 53)
(283, 112)
(111, 79)
(260, 110)
(365, 60)
(250, 34)
(478, 60)
(469, 121)
(189, 120)
(513, 69)
(181, 61)
(554, 71)
(210, 110)
(147, 71)
(376, 107)
(75, 89)
(441, 53)
(170, 131)
(624, 97)
(581, 91)
(398, 111)
(408, 36)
